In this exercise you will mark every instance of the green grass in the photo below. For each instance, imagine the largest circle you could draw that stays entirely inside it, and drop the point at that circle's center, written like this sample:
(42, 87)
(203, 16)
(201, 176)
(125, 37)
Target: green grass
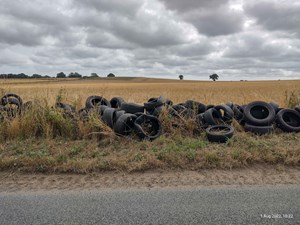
(190, 153)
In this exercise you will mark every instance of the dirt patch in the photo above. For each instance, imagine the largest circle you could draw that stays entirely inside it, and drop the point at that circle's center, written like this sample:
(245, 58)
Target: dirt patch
(258, 175)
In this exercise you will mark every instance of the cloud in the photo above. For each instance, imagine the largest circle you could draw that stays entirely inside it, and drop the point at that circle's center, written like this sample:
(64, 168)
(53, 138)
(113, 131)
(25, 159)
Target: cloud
(276, 15)
(211, 18)
(235, 38)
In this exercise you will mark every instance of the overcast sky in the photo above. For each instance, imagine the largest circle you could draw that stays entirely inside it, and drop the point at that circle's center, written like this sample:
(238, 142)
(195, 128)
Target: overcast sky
(159, 38)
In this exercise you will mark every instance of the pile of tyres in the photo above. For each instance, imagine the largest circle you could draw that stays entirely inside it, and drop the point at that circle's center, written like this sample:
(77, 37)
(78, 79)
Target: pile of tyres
(126, 118)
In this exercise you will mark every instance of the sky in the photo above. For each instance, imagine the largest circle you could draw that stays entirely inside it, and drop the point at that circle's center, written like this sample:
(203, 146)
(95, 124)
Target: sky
(238, 40)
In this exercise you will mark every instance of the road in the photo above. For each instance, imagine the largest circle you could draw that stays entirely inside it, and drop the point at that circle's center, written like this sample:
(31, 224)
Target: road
(206, 205)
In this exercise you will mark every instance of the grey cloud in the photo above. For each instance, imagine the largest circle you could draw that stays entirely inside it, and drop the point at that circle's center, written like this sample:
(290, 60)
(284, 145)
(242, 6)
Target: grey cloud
(221, 21)
(211, 18)
(188, 5)
(18, 33)
(128, 8)
(273, 15)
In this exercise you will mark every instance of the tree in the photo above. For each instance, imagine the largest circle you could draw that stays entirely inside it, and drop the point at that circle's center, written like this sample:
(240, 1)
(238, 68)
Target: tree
(214, 77)
(61, 75)
(94, 75)
(74, 75)
(111, 75)
(36, 76)
(180, 77)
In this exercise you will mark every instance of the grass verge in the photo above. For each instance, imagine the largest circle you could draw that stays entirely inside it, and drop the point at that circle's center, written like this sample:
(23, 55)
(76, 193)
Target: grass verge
(167, 152)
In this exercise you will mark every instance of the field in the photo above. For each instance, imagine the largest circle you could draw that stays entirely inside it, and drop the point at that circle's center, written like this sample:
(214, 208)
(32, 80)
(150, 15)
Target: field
(184, 148)
(140, 90)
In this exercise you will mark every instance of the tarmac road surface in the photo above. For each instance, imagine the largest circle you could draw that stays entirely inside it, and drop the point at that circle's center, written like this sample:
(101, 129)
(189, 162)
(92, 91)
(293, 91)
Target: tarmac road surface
(202, 205)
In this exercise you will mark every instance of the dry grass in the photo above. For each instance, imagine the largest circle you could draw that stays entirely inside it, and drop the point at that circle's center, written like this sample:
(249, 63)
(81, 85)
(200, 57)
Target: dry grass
(45, 140)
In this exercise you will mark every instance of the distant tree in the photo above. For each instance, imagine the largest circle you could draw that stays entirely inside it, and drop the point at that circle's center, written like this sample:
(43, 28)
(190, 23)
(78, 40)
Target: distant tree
(74, 75)
(61, 75)
(180, 77)
(36, 76)
(94, 75)
(214, 77)
(111, 75)
(22, 75)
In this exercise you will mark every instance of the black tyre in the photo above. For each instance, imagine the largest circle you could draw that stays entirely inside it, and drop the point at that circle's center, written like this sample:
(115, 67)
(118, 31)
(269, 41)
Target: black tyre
(4, 100)
(259, 129)
(116, 102)
(12, 107)
(230, 104)
(169, 102)
(64, 106)
(259, 113)
(198, 107)
(83, 114)
(125, 124)
(219, 133)
(238, 112)
(94, 101)
(227, 115)
(210, 106)
(147, 127)
(109, 117)
(132, 108)
(288, 120)
(154, 103)
(297, 108)
(212, 117)
(118, 114)
(275, 106)
(156, 111)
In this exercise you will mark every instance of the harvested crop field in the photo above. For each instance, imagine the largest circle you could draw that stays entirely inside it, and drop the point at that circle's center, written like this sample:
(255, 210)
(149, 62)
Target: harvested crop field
(32, 143)
(139, 90)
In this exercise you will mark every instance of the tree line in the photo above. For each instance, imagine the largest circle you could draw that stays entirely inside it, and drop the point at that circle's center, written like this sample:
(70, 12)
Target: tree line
(58, 75)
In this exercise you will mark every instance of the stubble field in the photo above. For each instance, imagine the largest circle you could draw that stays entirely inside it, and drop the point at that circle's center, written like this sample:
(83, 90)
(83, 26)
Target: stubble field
(21, 149)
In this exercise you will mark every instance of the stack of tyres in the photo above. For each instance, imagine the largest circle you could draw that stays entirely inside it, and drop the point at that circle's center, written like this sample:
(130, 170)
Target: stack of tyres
(259, 117)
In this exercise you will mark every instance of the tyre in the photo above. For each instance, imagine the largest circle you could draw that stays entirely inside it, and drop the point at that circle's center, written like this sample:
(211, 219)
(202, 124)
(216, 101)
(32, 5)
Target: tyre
(83, 114)
(297, 108)
(125, 124)
(118, 114)
(147, 127)
(212, 117)
(169, 102)
(109, 117)
(116, 102)
(275, 106)
(94, 100)
(258, 129)
(12, 107)
(259, 113)
(200, 121)
(230, 104)
(227, 115)
(238, 112)
(209, 106)
(64, 106)
(132, 108)
(198, 107)
(219, 133)
(156, 111)
(288, 120)
(154, 103)
(4, 99)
